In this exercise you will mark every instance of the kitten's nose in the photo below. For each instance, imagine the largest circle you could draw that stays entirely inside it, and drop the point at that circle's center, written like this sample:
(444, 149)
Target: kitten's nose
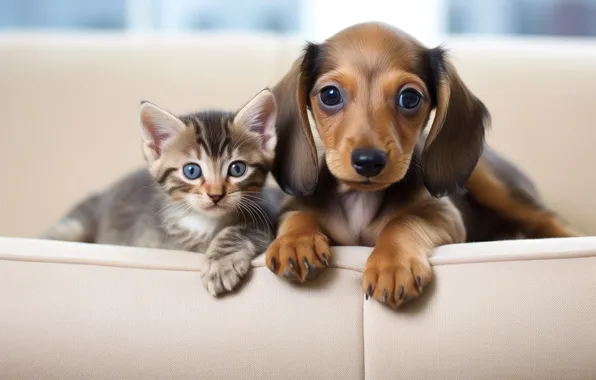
(215, 197)
(369, 162)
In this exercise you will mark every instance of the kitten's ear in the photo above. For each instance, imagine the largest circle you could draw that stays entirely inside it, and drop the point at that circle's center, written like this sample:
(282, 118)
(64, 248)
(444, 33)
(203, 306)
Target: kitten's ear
(158, 128)
(259, 116)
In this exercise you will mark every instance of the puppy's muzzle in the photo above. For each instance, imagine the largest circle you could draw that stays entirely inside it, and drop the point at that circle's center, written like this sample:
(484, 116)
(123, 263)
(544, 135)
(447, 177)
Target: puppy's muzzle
(369, 162)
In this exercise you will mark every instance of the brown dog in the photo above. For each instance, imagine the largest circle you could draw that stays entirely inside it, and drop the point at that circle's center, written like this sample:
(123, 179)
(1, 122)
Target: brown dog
(381, 181)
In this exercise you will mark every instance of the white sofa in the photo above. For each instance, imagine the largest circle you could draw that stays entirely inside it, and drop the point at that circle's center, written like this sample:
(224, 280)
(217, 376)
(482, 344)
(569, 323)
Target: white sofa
(505, 310)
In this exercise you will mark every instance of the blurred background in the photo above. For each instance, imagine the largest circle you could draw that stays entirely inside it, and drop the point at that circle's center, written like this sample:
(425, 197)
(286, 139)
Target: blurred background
(315, 19)
(72, 73)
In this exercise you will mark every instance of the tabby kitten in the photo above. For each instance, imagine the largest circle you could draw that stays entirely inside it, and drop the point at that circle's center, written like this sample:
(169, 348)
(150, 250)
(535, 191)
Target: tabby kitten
(203, 191)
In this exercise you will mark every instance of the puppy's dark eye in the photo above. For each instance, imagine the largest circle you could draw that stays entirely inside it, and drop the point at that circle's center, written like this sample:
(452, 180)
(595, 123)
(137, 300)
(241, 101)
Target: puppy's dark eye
(330, 96)
(409, 99)
(237, 169)
(192, 171)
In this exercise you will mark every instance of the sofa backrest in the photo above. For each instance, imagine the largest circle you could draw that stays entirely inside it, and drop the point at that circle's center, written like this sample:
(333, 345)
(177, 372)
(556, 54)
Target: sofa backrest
(70, 124)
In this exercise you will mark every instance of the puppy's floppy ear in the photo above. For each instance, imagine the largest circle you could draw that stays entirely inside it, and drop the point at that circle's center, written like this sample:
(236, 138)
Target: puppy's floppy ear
(456, 138)
(296, 163)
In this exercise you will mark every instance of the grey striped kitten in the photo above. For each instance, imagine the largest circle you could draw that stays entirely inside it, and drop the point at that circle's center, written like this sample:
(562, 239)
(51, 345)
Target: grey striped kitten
(204, 191)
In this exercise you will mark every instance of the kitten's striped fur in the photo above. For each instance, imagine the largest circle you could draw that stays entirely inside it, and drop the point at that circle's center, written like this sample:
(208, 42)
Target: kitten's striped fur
(230, 219)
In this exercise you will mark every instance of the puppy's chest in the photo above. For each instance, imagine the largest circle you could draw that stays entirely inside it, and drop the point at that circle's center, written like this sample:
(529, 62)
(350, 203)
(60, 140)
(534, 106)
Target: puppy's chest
(350, 218)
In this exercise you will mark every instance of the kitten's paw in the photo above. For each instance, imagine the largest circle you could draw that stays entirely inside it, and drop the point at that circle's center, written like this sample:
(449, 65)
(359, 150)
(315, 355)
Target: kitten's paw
(299, 256)
(225, 273)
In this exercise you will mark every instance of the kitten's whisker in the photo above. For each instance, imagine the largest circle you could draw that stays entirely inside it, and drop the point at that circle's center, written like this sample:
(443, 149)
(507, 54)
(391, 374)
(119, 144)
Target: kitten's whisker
(185, 211)
(259, 199)
(171, 214)
(170, 211)
(246, 200)
(238, 208)
(243, 206)
(254, 217)
(178, 213)
(257, 218)
(261, 213)
(165, 206)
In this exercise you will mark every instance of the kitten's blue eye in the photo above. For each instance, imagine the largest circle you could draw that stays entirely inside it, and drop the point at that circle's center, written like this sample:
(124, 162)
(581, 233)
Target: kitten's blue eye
(192, 171)
(237, 169)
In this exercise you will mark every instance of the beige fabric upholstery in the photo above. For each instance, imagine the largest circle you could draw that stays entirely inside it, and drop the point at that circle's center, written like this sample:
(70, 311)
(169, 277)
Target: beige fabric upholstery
(69, 109)
(506, 310)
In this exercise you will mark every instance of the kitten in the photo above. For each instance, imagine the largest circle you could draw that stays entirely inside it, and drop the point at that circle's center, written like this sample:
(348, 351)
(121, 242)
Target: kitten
(203, 191)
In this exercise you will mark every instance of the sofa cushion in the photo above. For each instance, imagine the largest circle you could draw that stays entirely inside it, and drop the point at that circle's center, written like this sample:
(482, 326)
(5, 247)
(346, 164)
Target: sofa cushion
(83, 311)
(506, 310)
(513, 310)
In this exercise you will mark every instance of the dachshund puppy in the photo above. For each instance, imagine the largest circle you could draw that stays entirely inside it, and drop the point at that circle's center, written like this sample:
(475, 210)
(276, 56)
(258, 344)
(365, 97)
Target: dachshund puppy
(381, 181)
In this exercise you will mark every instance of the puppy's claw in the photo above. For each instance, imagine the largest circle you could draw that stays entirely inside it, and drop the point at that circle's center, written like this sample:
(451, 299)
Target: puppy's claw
(419, 284)
(291, 263)
(400, 293)
(305, 263)
(385, 296)
(272, 264)
(369, 291)
(325, 259)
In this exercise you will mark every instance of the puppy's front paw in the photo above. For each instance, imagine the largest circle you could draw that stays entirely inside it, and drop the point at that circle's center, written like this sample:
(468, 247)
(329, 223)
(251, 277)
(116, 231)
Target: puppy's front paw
(298, 256)
(224, 273)
(394, 277)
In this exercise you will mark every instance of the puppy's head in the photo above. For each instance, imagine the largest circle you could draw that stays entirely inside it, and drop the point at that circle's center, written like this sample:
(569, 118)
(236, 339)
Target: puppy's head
(371, 89)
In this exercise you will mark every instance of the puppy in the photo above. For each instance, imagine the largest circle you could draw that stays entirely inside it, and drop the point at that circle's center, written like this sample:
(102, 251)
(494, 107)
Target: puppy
(381, 181)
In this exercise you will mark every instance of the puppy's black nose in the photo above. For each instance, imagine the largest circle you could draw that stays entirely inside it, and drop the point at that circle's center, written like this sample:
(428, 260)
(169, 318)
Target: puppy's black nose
(369, 162)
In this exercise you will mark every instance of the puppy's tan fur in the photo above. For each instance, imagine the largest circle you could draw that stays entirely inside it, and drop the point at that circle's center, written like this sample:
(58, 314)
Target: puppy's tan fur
(403, 211)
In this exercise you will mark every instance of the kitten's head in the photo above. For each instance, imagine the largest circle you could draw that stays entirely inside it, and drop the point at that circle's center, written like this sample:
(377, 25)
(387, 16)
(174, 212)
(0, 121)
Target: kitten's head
(211, 160)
